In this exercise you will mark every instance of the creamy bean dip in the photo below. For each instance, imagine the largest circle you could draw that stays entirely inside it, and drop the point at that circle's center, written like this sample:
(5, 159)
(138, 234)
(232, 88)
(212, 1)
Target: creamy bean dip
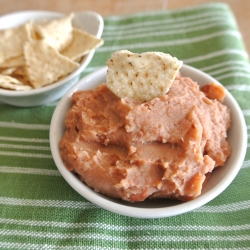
(163, 148)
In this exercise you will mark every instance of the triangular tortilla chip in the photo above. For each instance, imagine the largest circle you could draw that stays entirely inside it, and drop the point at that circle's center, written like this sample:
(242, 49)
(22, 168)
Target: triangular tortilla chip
(141, 76)
(57, 33)
(12, 41)
(20, 71)
(81, 44)
(23, 79)
(13, 62)
(8, 82)
(7, 71)
(45, 64)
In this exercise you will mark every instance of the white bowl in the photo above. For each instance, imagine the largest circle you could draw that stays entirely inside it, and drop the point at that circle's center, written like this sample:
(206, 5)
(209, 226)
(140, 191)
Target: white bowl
(89, 21)
(218, 182)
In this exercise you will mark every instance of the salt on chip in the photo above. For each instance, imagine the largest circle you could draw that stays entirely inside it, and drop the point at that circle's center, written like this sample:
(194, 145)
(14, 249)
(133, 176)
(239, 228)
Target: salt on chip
(57, 33)
(8, 82)
(141, 76)
(12, 41)
(82, 43)
(44, 64)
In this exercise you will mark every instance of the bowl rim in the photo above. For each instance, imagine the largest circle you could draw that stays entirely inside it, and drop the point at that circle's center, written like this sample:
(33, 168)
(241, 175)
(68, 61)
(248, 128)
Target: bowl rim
(139, 212)
(73, 74)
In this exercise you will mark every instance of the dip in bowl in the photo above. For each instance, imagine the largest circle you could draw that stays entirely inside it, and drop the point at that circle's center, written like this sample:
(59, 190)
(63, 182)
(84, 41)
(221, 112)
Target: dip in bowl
(216, 184)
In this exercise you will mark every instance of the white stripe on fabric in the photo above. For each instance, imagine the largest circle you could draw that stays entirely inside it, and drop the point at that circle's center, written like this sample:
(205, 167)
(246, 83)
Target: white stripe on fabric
(241, 53)
(52, 103)
(244, 65)
(91, 69)
(238, 87)
(21, 170)
(3, 145)
(233, 74)
(246, 164)
(162, 29)
(246, 112)
(243, 248)
(167, 20)
(168, 43)
(36, 140)
(231, 207)
(142, 227)
(30, 246)
(106, 237)
(230, 68)
(25, 126)
(20, 154)
(46, 203)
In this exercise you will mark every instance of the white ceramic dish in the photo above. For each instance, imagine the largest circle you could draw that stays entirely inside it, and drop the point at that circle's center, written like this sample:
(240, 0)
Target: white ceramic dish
(218, 182)
(89, 21)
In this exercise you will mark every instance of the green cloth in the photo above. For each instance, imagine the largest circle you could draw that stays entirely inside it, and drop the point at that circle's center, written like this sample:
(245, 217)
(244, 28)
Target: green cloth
(39, 210)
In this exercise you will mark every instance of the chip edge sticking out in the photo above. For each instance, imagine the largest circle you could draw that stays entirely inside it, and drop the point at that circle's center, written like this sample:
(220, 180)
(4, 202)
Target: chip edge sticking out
(11, 83)
(141, 77)
(82, 43)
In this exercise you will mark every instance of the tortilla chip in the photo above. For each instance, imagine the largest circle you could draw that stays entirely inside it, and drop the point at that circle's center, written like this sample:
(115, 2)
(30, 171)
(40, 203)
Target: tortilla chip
(45, 64)
(78, 60)
(30, 54)
(8, 82)
(12, 41)
(7, 71)
(81, 44)
(141, 76)
(20, 71)
(13, 62)
(23, 79)
(57, 33)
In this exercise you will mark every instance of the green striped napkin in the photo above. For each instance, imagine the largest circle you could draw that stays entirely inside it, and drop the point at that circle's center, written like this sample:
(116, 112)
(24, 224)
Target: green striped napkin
(39, 210)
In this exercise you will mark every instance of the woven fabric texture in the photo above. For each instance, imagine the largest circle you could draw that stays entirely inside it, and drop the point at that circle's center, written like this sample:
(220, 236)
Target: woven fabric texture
(39, 210)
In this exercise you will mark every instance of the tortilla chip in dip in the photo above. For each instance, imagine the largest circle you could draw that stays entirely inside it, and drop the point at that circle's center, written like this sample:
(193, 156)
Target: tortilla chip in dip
(141, 76)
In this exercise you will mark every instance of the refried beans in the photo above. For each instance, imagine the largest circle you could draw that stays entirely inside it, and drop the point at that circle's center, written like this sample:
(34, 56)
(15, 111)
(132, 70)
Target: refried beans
(163, 148)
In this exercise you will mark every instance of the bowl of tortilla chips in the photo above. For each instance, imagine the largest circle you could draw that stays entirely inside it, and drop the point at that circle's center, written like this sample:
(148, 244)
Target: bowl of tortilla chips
(43, 53)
